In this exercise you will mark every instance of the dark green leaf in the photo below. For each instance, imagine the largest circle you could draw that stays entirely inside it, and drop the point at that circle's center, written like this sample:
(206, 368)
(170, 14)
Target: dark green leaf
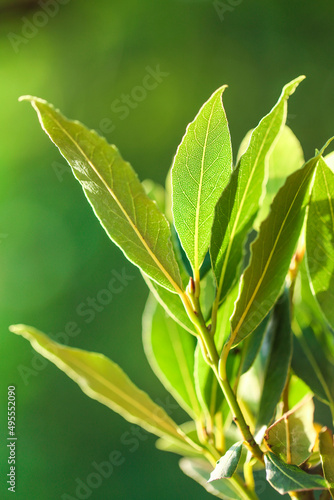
(170, 352)
(237, 207)
(200, 472)
(252, 345)
(293, 436)
(320, 240)
(272, 252)
(285, 478)
(310, 363)
(227, 464)
(130, 218)
(201, 169)
(278, 364)
(103, 380)
(327, 457)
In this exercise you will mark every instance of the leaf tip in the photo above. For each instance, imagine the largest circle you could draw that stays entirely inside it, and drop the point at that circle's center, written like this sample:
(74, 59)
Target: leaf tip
(17, 329)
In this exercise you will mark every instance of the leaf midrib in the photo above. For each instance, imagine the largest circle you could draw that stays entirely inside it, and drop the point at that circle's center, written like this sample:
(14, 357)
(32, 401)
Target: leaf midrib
(200, 191)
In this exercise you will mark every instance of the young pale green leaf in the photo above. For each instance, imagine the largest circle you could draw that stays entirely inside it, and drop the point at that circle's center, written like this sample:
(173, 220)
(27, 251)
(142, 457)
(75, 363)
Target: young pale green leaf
(103, 380)
(320, 240)
(272, 252)
(329, 159)
(228, 463)
(201, 169)
(311, 364)
(200, 472)
(170, 352)
(278, 363)
(131, 219)
(326, 447)
(293, 436)
(284, 477)
(172, 304)
(239, 203)
(286, 157)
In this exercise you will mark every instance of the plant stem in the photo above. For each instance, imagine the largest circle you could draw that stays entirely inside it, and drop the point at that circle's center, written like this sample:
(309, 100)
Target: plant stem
(211, 356)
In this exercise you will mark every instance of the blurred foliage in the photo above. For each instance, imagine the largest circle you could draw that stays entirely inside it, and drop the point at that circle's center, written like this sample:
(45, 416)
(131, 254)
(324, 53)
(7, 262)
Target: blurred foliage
(53, 253)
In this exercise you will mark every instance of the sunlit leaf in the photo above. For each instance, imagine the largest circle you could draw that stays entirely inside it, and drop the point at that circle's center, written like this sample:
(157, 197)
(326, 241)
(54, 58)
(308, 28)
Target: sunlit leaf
(320, 240)
(286, 157)
(293, 436)
(103, 380)
(237, 207)
(272, 252)
(285, 478)
(201, 169)
(170, 352)
(131, 219)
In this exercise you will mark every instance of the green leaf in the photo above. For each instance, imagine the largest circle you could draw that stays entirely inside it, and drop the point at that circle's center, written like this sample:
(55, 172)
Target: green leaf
(310, 363)
(326, 448)
(272, 252)
(130, 218)
(228, 463)
(329, 159)
(103, 380)
(201, 169)
(285, 478)
(279, 360)
(172, 303)
(320, 240)
(293, 436)
(286, 157)
(170, 352)
(237, 207)
(200, 472)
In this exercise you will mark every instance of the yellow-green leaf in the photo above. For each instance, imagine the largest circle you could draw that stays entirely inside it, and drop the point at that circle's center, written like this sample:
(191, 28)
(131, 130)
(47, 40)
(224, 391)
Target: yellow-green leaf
(239, 203)
(131, 219)
(201, 169)
(320, 240)
(103, 380)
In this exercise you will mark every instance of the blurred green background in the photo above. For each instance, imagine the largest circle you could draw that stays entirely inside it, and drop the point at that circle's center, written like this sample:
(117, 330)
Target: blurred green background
(54, 255)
